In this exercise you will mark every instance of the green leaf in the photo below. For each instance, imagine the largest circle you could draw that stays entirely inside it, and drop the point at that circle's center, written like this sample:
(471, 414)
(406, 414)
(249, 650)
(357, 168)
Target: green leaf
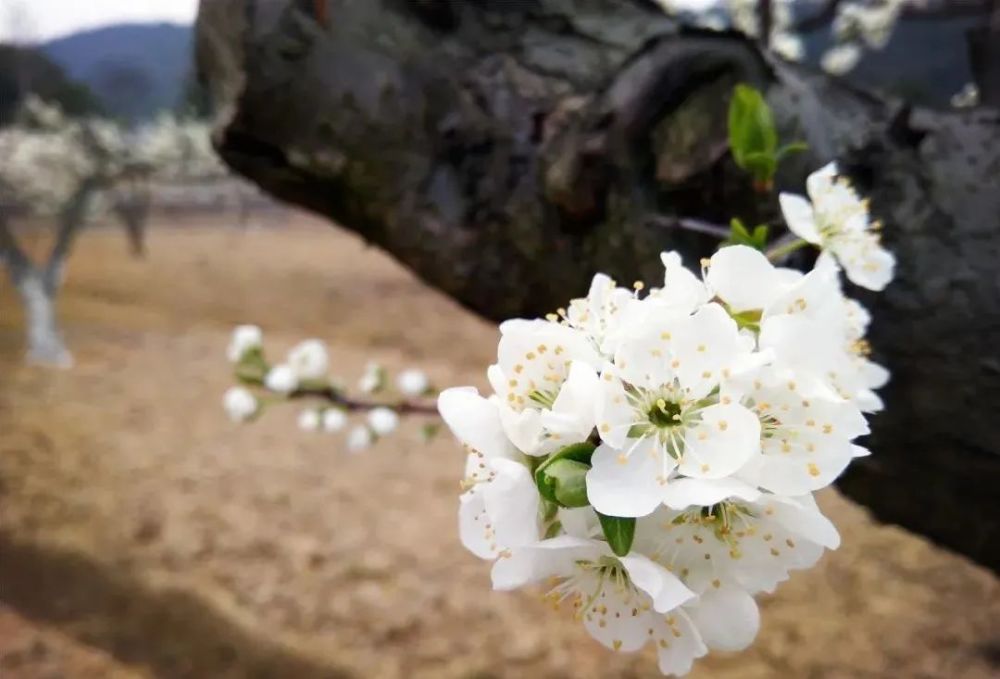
(562, 477)
(751, 125)
(788, 149)
(619, 532)
(759, 236)
(761, 165)
(429, 431)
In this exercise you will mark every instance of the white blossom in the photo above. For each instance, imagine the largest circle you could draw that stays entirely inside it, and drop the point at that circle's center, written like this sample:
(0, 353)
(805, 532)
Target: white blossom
(656, 412)
(334, 419)
(838, 221)
(735, 541)
(309, 420)
(383, 421)
(624, 602)
(413, 382)
(842, 58)
(281, 379)
(309, 360)
(532, 372)
(360, 438)
(373, 378)
(245, 339)
(240, 404)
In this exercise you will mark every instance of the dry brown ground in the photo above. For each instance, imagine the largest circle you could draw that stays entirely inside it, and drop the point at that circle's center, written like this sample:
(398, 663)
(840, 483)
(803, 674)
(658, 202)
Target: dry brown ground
(141, 534)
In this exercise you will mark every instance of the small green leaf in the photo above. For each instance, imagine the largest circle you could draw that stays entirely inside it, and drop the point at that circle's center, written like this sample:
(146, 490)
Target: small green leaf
(759, 236)
(619, 532)
(553, 530)
(738, 229)
(429, 431)
(788, 149)
(751, 125)
(761, 165)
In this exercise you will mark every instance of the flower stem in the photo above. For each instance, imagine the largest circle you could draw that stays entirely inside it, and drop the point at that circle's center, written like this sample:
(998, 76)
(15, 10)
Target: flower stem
(784, 247)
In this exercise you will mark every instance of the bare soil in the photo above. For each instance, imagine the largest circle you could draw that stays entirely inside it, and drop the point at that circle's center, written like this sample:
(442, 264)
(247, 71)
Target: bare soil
(142, 534)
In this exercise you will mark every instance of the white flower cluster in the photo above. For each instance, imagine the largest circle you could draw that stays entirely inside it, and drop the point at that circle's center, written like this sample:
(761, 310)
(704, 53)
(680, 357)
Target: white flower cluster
(306, 368)
(655, 457)
(47, 156)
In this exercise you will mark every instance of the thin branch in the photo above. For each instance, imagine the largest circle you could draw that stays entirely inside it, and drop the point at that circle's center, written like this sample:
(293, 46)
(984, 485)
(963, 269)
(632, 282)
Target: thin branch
(71, 219)
(784, 246)
(689, 224)
(335, 398)
(18, 264)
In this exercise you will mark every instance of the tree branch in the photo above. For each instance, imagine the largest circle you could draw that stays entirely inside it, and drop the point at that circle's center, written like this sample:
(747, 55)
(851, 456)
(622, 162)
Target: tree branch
(71, 220)
(339, 400)
(18, 264)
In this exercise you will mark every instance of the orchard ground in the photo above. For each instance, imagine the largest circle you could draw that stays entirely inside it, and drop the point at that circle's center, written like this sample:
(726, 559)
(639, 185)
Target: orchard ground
(143, 534)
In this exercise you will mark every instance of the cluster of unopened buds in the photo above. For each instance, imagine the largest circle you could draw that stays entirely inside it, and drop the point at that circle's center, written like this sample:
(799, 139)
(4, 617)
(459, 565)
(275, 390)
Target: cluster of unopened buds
(305, 375)
(652, 454)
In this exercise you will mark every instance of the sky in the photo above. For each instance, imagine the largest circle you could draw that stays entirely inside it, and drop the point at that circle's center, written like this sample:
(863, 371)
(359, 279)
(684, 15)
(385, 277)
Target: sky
(40, 20)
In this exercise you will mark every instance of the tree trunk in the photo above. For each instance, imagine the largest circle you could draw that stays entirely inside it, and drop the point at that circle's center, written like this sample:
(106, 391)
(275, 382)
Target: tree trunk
(45, 343)
(508, 150)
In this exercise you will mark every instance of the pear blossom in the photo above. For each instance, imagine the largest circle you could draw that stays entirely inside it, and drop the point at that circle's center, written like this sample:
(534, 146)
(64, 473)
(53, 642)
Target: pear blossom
(499, 508)
(309, 420)
(359, 439)
(309, 360)
(735, 541)
(535, 363)
(598, 315)
(413, 382)
(838, 221)
(383, 421)
(841, 59)
(373, 378)
(240, 404)
(806, 440)
(282, 379)
(245, 339)
(624, 602)
(656, 412)
(334, 420)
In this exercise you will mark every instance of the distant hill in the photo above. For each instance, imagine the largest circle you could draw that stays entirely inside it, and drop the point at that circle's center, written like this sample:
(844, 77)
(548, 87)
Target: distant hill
(135, 70)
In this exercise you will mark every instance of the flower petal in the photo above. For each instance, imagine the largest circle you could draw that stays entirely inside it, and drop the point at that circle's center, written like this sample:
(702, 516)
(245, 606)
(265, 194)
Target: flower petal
(678, 643)
(474, 421)
(725, 439)
(726, 617)
(683, 493)
(743, 278)
(548, 558)
(799, 216)
(663, 587)
(631, 484)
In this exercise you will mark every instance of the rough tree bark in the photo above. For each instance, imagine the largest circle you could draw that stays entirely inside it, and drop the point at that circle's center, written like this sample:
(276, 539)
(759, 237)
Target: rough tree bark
(505, 150)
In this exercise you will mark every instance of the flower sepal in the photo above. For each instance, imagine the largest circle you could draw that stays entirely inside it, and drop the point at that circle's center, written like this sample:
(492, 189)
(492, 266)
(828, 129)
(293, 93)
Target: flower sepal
(562, 477)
